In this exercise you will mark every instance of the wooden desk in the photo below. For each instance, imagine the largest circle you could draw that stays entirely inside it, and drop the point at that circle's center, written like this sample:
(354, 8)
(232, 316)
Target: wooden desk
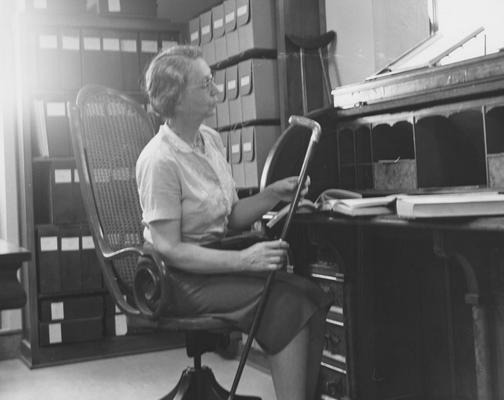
(12, 294)
(423, 304)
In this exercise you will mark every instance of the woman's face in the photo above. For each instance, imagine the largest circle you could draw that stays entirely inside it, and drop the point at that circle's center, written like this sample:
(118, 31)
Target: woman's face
(198, 100)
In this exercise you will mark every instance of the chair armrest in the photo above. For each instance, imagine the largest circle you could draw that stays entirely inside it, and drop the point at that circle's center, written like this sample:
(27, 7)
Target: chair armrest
(150, 288)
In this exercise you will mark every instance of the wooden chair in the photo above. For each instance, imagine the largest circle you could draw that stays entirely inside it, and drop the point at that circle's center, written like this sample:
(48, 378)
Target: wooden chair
(108, 131)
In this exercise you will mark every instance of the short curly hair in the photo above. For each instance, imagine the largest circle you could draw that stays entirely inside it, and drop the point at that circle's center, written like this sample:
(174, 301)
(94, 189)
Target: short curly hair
(166, 77)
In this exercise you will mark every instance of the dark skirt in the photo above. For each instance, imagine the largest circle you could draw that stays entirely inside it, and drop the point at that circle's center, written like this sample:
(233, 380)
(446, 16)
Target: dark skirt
(292, 301)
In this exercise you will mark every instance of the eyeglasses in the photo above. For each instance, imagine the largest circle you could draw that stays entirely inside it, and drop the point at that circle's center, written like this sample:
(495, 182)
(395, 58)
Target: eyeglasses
(206, 83)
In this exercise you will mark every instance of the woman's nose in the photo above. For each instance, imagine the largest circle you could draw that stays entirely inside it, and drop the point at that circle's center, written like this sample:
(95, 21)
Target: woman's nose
(214, 89)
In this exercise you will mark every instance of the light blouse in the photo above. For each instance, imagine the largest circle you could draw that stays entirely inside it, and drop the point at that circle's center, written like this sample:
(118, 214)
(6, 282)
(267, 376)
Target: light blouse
(177, 182)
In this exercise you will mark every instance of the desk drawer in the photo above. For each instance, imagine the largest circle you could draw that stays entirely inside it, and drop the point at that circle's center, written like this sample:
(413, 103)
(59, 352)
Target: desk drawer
(333, 382)
(332, 285)
(335, 347)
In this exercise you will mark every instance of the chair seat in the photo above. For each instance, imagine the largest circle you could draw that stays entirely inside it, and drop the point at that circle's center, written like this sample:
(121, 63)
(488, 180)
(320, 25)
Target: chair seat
(182, 323)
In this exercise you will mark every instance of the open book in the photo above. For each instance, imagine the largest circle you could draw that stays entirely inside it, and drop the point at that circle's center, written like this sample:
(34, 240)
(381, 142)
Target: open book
(366, 206)
(450, 205)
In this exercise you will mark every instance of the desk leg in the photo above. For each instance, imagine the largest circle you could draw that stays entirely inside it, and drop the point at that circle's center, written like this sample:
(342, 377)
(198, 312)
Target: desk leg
(479, 312)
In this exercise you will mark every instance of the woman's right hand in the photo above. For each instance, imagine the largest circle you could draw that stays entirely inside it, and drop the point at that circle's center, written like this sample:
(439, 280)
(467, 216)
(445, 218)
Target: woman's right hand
(264, 256)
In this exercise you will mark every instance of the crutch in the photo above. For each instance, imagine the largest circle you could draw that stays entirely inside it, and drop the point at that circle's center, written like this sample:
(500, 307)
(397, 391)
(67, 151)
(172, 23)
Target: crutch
(309, 44)
(315, 136)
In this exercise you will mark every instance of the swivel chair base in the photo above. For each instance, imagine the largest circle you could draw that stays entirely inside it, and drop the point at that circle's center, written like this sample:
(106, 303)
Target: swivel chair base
(200, 384)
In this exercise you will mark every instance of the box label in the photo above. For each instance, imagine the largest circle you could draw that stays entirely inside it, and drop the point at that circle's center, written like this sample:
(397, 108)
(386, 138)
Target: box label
(49, 243)
(62, 176)
(114, 5)
(70, 244)
(87, 243)
(57, 310)
(70, 43)
(149, 46)
(55, 109)
(230, 17)
(129, 45)
(121, 327)
(111, 44)
(54, 333)
(218, 23)
(92, 43)
(241, 11)
(48, 41)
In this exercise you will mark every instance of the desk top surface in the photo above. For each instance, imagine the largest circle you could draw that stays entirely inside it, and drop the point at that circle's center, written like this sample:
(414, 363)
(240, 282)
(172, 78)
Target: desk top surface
(12, 253)
(465, 224)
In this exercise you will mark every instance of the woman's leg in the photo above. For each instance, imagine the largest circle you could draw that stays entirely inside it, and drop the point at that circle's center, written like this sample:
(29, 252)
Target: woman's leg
(288, 367)
(317, 330)
(296, 367)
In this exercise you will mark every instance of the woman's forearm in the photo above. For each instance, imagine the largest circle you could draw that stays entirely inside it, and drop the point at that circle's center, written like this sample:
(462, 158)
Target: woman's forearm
(196, 259)
(250, 209)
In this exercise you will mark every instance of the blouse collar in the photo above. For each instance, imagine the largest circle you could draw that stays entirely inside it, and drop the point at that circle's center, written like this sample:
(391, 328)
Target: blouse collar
(174, 140)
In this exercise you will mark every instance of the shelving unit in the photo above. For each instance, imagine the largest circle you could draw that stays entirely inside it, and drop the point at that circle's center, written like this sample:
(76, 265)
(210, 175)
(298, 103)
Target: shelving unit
(69, 315)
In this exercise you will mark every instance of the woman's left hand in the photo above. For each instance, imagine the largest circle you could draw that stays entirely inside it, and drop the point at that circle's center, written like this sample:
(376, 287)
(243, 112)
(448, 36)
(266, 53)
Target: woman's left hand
(284, 189)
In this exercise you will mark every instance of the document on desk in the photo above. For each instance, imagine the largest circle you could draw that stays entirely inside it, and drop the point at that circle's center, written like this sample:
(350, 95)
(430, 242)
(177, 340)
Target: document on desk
(367, 206)
(450, 205)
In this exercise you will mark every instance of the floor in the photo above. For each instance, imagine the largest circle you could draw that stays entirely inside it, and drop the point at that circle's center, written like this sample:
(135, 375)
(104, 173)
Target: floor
(146, 376)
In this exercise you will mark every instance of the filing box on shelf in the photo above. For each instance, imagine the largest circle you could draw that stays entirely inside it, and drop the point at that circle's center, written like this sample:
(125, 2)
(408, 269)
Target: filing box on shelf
(69, 59)
(207, 44)
(218, 33)
(130, 61)
(71, 331)
(58, 192)
(111, 57)
(67, 308)
(52, 127)
(149, 46)
(66, 259)
(256, 144)
(232, 43)
(47, 59)
(194, 31)
(236, 157)
(70, 266)
(93, 64)
(233, 95)
(49, 274)
(139, 8)
(258, 89)
(90, 266)
(256, 24)
(222, 105)
(167, 40)
(56, 6)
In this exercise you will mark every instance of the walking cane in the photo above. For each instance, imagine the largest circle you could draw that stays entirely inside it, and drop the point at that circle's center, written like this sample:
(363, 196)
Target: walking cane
(315, 136)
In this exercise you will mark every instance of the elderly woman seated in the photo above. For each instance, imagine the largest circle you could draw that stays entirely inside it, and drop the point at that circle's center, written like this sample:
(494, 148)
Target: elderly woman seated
(188, 199)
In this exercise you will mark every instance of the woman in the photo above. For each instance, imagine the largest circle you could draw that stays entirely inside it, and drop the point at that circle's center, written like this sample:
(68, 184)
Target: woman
(188, 198)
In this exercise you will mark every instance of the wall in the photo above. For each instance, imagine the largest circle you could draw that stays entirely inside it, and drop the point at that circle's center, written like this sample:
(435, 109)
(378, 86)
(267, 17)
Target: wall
(371, 33)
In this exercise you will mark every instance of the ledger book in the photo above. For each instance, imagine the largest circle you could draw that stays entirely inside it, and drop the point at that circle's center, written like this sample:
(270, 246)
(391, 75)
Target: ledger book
(450, 205)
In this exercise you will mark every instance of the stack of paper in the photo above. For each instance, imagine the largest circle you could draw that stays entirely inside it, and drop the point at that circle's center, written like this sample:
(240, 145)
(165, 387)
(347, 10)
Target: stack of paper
(450, 205)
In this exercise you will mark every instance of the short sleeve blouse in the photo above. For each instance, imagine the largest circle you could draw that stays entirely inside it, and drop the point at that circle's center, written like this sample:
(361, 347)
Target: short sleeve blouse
(177, 182)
